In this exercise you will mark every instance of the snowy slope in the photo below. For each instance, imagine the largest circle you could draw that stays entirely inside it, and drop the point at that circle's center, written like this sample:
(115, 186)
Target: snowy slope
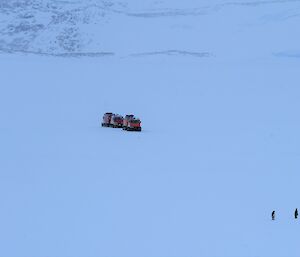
(95, 27)
(216, 84)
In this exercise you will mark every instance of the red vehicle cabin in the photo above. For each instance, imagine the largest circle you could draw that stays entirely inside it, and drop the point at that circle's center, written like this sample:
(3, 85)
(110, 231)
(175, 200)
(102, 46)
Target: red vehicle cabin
(116, 121)
(134, 124)
(106, 119)
(126, 119)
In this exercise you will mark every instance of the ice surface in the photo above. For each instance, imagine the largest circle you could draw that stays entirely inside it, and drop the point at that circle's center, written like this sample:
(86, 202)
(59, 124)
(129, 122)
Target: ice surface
(216, 85)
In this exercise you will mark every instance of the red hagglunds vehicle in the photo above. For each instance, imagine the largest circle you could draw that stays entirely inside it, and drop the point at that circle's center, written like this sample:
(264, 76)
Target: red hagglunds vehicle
(129, 122)
(133, 124)
(116, 121)
(106, 119)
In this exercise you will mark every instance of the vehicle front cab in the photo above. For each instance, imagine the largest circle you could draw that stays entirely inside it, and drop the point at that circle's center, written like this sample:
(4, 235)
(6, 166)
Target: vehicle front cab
(134, 125)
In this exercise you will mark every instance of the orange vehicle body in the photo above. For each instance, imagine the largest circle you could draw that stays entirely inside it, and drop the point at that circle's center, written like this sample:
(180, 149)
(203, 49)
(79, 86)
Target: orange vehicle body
(134, 125)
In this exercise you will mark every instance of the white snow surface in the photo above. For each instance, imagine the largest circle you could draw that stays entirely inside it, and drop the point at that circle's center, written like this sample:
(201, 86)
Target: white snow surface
(216, 85)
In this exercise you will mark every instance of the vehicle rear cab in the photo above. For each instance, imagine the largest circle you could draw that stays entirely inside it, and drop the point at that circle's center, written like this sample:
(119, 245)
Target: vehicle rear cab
(134, 124)
(116, 121)
(126, 119)
(107, 119)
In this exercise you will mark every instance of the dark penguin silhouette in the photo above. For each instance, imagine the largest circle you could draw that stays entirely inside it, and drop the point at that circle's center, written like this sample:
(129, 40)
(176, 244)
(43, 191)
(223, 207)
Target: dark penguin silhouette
(273, 215)
(296, 213)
